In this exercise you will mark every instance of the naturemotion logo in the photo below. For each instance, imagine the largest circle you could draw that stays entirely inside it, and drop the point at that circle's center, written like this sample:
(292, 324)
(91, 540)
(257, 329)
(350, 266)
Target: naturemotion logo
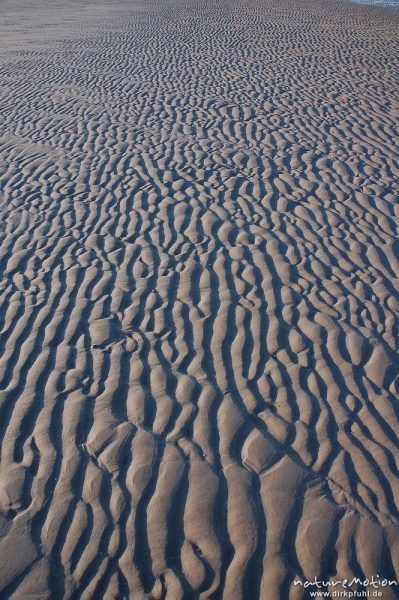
(348, 588)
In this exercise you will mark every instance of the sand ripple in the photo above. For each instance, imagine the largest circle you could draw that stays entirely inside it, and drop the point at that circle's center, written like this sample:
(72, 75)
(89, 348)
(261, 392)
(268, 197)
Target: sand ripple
(199, 301)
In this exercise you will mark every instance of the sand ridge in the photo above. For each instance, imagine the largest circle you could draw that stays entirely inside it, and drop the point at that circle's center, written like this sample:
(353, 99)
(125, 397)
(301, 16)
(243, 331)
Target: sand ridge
(198, 298)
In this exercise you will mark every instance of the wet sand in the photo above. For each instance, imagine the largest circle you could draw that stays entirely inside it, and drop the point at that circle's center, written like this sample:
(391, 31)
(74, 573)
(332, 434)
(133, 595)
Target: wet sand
(199, 299)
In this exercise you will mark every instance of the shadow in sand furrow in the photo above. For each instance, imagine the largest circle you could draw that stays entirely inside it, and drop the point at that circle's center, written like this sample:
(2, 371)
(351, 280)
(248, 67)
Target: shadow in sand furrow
(94, 559)
(142, 553)
(18, 356)
(124, 458)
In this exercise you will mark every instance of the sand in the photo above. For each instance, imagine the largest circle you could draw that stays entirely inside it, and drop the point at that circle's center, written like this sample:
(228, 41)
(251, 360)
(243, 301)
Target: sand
(199, 298)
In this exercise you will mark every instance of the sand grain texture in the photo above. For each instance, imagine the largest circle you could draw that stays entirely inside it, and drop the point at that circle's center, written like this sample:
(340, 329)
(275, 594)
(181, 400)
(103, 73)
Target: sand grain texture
(199, 301)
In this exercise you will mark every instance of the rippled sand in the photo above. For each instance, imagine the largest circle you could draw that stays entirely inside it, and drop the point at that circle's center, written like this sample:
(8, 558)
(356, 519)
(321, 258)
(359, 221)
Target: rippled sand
(199, 300)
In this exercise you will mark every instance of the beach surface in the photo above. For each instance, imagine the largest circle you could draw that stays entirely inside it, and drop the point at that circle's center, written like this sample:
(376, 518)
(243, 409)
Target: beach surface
(199, 299)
